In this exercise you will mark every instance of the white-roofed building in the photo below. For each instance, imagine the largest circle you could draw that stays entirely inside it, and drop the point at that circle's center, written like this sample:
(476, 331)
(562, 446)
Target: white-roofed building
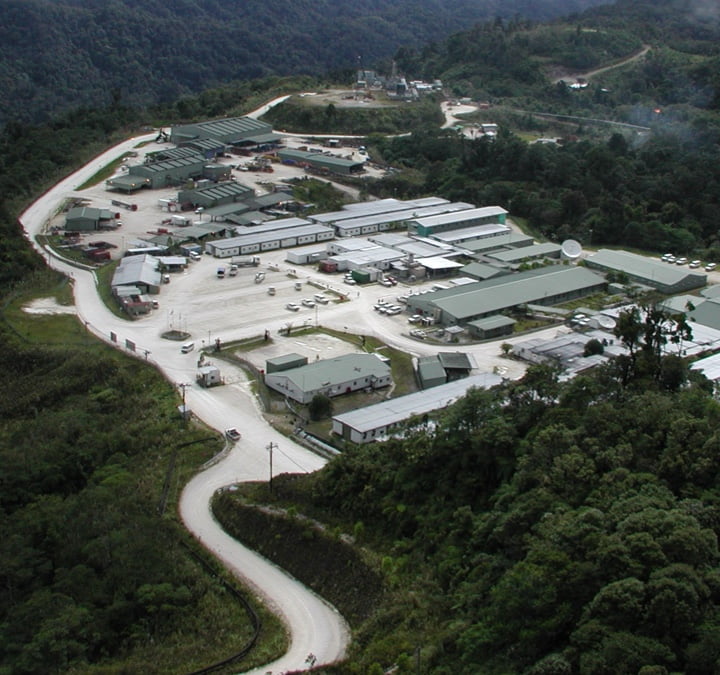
(377, 422)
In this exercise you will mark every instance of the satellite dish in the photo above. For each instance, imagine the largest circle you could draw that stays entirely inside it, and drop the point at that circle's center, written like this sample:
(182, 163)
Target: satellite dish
(606, 322)
(571, 249)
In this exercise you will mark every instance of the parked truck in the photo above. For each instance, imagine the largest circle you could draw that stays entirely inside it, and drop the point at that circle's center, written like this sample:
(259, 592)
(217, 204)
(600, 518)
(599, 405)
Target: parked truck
(246, 261)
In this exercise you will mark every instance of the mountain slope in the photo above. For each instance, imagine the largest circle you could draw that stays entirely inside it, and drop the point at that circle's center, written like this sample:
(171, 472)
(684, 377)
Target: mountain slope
(58, 54)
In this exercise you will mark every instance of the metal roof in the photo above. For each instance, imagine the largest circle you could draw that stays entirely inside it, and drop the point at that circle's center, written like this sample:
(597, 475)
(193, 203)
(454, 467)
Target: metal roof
(709, 366)
(218, 191)
(269, 199)
(500, 293)
(646, 268)
(455, 360)
(490, 322)
(470, 233)
(226, 209)
(247, 218)
(399, 216)
(328, 372)
(137, 269)
(204, 144)
(171, 153)
(500, 241)
(711, 291)
(364, 208)
(317, 158)
(279, 224)
(483, 270)
(128, 182)
(439, 263)
(264, 138)
(470, 214)
(231, 125)
(167, 165)
(400, 409)
(258, 237)
(534, 251)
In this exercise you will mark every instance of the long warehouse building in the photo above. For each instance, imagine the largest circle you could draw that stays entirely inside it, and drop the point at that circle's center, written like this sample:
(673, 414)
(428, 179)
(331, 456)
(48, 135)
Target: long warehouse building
(547, 286)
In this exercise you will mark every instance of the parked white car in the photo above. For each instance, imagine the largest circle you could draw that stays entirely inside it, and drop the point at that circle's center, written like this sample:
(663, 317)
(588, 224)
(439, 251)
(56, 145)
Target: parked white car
(293, 306)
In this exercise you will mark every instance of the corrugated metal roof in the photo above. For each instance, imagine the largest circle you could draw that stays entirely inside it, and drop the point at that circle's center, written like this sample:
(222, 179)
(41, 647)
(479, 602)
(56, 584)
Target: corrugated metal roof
(137, 269)
(399, 216)
(496, 295)
(490, 322)
(500, 241)
(328, 372)
(167, 165)
(397, 410)
(471, 214)
(254, 237)
(218, 191)
(647, 268)
(232, 125)
(535, 251)
(317, 158)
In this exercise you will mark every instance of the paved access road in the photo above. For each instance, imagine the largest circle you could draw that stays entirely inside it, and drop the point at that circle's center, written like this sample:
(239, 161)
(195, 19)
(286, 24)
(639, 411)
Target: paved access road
(314, 626)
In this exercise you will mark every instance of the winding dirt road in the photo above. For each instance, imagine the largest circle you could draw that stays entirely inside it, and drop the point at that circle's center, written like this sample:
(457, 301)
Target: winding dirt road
(313, 625)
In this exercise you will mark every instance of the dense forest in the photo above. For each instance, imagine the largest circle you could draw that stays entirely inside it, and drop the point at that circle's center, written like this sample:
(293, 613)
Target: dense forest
(662, 195)
(547, 527)
(59, 54)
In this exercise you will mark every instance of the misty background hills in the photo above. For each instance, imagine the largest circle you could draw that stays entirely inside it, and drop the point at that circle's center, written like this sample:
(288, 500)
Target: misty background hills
(61, 54)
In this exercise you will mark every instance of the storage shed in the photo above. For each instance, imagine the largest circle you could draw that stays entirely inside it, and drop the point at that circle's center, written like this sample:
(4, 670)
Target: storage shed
(86, 218)
(285, 362)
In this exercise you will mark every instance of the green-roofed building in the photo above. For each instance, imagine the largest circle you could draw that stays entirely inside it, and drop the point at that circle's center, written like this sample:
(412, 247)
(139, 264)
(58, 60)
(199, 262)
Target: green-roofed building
(430, 372)
(170, 153)
(492, 327)
(514, 256)
(86, 218)
(230, 131)
(331, 377)
(216, 195)
(501, 295)
(285, 362)
(502, 241)
(666, 277)
(127, 183)
(322, 162)
(482, 271)
(171, 171)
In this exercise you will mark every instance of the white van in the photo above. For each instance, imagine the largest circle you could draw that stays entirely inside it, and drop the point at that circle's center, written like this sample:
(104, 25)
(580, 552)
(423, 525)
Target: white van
(187, 347)
(194, 256)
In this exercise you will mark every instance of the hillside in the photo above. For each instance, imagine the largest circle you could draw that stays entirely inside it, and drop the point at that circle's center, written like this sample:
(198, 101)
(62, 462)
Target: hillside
(60, 54)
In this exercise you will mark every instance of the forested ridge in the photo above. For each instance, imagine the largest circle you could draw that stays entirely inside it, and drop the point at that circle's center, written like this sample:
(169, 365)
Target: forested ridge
(58, 54)
(545, 527)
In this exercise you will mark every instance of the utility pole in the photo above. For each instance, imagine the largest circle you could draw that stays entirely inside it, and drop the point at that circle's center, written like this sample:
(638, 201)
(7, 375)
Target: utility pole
(271, 446)
(183, 386)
